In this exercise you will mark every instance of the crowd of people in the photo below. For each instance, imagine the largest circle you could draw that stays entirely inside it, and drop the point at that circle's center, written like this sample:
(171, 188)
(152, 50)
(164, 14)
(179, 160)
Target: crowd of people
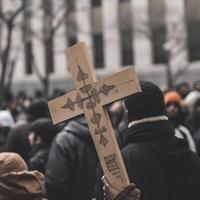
(158, 133)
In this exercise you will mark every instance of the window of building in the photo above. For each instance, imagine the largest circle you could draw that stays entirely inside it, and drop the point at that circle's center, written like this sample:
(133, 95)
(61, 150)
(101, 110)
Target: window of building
(158, 41)
(70, 5)
(49, 40)
(193, 28)
(98, 50)
(49, 55)
(158, 30)
(126, 47)
(95, 3)
(193, 40)
(126, 33)
(28, 50)
(28, 57)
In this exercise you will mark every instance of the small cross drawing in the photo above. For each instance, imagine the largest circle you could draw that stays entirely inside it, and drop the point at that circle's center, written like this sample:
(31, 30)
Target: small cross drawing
(93, 100)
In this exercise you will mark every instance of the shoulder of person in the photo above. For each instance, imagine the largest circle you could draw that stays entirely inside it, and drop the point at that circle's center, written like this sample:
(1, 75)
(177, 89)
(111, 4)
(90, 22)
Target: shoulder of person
(135, 148)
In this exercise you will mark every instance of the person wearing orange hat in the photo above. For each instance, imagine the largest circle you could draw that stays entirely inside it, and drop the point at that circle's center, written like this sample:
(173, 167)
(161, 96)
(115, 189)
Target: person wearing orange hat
(174, 111)
(172, 96)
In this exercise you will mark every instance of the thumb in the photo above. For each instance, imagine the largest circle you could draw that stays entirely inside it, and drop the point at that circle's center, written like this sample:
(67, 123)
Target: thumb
(105, 181)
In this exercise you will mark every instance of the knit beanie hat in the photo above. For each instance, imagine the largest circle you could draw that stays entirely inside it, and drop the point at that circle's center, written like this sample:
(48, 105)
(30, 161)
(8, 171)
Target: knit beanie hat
(148, 103)
(173, 97)
(44, 128)
(37, 109)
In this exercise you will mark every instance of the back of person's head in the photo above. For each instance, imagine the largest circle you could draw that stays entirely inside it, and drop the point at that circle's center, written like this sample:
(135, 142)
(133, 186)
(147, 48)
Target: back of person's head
(44, 128)
(183, 89)
(197, 105)
(11, 162)
(116, 112)
(38, 94)
(16, 182)
(196, 111)
(148, 103)
(196, 85)
(37, 109)
(191, 99)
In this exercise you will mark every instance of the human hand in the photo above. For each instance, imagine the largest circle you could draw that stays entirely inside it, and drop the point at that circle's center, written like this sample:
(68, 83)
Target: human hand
(128, 193)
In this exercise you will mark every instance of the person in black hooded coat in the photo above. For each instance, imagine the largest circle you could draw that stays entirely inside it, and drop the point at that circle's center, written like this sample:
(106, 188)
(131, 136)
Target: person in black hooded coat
(42, 133)
(71, 168)
(159, 164)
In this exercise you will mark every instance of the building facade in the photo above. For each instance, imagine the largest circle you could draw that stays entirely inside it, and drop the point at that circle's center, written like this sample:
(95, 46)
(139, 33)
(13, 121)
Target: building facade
(147, 34)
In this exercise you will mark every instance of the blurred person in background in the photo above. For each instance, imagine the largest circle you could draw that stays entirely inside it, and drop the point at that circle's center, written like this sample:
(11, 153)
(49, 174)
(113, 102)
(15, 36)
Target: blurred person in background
(72, 162)
(183, 89)
(196, 123)
(119, 119)
(14, 109)
(17, 140)
(196, 85)
(57, 93)
(23, 101)
(6, 123)
(190, 100)
(38, 94)
(193, 120)
(42, 133)
(174, 111)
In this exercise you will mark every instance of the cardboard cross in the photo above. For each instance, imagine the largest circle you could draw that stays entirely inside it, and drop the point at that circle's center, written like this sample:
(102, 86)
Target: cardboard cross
(89, 97)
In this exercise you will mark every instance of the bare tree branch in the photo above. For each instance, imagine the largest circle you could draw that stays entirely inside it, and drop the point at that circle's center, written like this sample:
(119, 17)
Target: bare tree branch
(17, 12)
(2, 17)
(60, 22)
(12, 16)
(12, 67)
(36, 70)
(8, 19)
(180, 72)
(57, 11)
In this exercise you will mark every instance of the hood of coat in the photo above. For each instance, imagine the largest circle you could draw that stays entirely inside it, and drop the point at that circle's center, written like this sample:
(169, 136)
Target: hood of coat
(22, 185)
(79, 127)
(11, 162)
(147, 132)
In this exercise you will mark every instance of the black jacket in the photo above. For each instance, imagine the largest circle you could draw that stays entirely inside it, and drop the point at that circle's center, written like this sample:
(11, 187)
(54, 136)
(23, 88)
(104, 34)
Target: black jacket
(71, 168)
(160, 164)
(4, 131)
(196, 135)
(17, 140)
(39, 158)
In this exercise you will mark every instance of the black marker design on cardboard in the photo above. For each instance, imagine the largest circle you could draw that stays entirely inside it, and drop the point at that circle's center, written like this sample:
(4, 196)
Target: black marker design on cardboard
(113, 166)
(93, 100)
